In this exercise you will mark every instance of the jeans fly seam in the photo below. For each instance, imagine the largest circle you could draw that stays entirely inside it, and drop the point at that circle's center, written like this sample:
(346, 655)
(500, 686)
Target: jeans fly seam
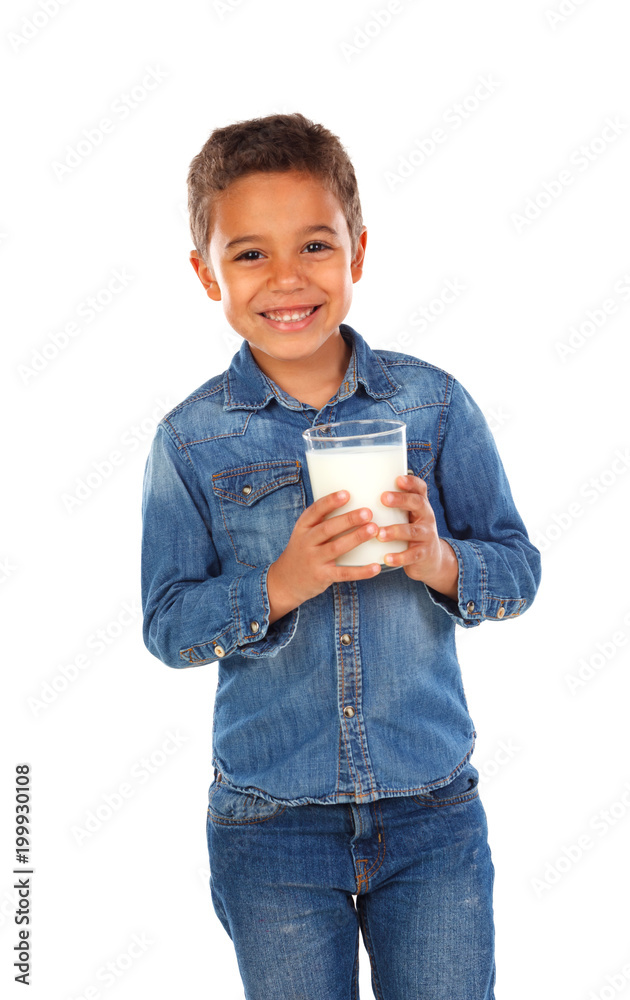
(380, 857)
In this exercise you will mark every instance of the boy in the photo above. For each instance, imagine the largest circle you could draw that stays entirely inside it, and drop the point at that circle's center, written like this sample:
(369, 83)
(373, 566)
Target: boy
(341, 734)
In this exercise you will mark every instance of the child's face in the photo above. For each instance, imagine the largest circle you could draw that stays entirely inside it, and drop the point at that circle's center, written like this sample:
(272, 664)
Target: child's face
(285, 260)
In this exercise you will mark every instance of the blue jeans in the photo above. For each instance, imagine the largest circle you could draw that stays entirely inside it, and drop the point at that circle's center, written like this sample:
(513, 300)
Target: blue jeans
(283, 881)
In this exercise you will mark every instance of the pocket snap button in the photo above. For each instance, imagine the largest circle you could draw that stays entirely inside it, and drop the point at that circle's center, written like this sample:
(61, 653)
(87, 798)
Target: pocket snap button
(246, 490)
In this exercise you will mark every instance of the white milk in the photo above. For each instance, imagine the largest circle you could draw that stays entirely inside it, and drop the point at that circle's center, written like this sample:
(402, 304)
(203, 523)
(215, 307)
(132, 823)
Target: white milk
(365, 472)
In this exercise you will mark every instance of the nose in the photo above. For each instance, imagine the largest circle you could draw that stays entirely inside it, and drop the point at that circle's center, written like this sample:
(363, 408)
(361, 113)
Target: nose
(286, 275)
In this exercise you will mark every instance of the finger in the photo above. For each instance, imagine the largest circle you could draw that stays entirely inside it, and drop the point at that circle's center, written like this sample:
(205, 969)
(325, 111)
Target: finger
(406, 501)
(416, 488)
(415, 553)
(340, 523)
(414, 531)
(319, 508)
(342, 573)
(412, 483)
(341, 544)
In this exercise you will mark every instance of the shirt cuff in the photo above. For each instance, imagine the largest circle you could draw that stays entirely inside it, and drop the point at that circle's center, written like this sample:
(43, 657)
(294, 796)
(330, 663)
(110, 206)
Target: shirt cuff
(474, 603)
(249, 632)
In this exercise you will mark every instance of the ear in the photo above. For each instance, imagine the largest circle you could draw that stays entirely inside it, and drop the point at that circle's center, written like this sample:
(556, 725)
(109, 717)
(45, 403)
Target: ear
(356, 265)
(205, 275)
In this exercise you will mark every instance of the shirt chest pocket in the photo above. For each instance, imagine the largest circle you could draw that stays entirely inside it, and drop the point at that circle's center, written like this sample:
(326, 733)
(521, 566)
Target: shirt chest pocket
(259, 506)
(419, 458)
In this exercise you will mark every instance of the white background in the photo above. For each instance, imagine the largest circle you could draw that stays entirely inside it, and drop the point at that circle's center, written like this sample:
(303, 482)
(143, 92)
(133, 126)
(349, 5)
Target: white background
(560, 420)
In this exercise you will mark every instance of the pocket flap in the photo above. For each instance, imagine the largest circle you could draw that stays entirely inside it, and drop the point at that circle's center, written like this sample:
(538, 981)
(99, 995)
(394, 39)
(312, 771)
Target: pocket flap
(248, 484)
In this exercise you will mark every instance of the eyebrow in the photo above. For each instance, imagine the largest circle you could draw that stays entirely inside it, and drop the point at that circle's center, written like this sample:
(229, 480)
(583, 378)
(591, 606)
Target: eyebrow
(307, 231)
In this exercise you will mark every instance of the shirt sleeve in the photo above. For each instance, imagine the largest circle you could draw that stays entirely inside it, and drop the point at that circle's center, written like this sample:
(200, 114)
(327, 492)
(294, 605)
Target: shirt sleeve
(194, 613)
(499, 567)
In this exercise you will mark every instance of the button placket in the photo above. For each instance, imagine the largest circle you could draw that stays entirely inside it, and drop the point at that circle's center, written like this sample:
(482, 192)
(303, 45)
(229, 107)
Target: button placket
(346, 640)
(356, 774)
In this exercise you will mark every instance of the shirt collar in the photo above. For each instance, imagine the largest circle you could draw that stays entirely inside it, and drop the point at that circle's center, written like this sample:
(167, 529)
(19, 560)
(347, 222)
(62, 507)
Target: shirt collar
(246, 387)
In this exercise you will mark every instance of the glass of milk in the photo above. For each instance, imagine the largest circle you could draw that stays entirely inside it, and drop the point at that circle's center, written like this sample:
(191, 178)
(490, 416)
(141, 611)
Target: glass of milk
(363, 457)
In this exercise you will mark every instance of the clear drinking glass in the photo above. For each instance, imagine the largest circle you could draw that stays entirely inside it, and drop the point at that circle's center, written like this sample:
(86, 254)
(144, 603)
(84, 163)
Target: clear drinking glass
(363, 457)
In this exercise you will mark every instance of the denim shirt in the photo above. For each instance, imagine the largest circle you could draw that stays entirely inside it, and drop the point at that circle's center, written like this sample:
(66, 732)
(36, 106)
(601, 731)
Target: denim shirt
(357, 693)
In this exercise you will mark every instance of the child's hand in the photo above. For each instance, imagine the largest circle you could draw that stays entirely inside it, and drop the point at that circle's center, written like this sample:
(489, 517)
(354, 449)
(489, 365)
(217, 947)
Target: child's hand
(428, 558)
(307, 565)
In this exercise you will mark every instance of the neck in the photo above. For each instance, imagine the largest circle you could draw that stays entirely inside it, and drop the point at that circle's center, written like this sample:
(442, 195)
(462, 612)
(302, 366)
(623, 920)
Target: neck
(314, 380)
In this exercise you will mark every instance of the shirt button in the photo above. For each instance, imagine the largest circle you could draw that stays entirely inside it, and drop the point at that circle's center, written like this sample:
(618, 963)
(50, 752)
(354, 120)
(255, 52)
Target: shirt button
(219, 651)
(500, 612)
(246, 490)
(348, 711)
(346, 640)
(410, 472)
(470, 607)
(254, 626)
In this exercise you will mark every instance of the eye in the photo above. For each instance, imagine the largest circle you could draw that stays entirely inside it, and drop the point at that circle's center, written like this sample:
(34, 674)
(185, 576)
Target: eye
(244, 256)
(317, 243)
(319, 246)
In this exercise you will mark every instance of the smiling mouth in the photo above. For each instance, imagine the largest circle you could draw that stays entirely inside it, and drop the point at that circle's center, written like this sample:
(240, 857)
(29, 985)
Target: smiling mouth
(288, 316)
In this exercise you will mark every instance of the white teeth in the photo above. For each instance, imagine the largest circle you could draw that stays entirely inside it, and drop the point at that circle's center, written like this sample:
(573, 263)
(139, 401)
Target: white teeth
(292, 317)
